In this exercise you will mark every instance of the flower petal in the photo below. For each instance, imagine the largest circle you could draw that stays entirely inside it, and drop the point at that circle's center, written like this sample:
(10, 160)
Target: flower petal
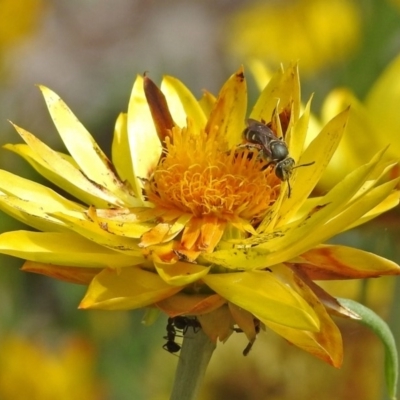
(84, 149)
(320, 151)
(126, 289)
(391, 201)
(182, 103)
(341, 262)
(180, 273)
(190, 304)
(79, 223)
(122, 157)
(207, 102)
(67, 249)
(81, 276)
(283, 88)
(264, 295)
(159, 109)
(119, 224)
(31, 202)
(164, 232)
(144, 143)
(325, 344)
(229, 111)
(58, 169)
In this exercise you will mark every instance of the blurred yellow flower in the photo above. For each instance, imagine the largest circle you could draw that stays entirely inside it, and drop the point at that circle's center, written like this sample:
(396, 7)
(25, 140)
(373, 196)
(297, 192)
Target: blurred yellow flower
(319, 33)
(29, 370)
(192, 219)
(373, 125)
(18, 18)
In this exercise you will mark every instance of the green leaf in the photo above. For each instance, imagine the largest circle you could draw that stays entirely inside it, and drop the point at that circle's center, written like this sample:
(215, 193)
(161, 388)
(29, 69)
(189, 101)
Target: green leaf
(382, 330)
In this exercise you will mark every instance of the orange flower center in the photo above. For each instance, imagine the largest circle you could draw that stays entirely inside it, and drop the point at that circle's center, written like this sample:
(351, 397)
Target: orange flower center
(195, 176)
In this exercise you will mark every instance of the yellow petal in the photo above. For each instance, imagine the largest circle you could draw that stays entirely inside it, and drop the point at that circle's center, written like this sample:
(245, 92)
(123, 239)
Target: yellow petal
(31, 202)
(81, 276)
(31, 214)
(211, 232)
(296, 137)
(387, 204)
(66, 249)
(121, 224)
(356, 210)
(83, 148)
(80, 224)
(264, 295)
(144, 143)
(283, 88)
(164, 232)
(207, 102)
(229, 111)
(182, 103)
(319, 151)
(327, 218)
(60, 171)
(126, 289)
(121, 155)
(180, 273)
(325, 344)
(341, 262)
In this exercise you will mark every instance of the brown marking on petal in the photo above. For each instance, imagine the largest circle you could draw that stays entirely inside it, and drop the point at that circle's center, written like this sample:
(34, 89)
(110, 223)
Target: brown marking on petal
(193, 304)
(240, 75)
(323, 263)
(283, 120)
(182, 256)
(159, 109)
(81, 276)
(330, 303)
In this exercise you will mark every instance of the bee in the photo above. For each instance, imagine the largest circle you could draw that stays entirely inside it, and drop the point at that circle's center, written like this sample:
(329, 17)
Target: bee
(181, 324)
(272, 148)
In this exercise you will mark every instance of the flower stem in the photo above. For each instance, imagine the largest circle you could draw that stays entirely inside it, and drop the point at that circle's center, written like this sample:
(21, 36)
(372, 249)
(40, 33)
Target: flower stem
(194, 357)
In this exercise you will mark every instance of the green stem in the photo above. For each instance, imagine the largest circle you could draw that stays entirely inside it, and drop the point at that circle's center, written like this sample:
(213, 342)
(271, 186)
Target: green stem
(194, 357)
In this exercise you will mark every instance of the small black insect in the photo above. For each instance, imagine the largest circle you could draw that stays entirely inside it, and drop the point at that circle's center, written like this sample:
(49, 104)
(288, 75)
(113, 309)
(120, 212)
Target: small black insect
(171, 346)
(184, 323)
(273, 149)
(181, 324)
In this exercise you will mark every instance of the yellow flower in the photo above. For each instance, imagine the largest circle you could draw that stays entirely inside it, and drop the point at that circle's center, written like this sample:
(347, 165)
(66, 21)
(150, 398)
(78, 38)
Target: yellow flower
(373, 125)
(19, 18)
(192, 219)
(307, 30)
(57, 373)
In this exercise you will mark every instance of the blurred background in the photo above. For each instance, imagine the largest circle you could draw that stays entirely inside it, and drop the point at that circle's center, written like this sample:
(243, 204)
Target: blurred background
(89, 52)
